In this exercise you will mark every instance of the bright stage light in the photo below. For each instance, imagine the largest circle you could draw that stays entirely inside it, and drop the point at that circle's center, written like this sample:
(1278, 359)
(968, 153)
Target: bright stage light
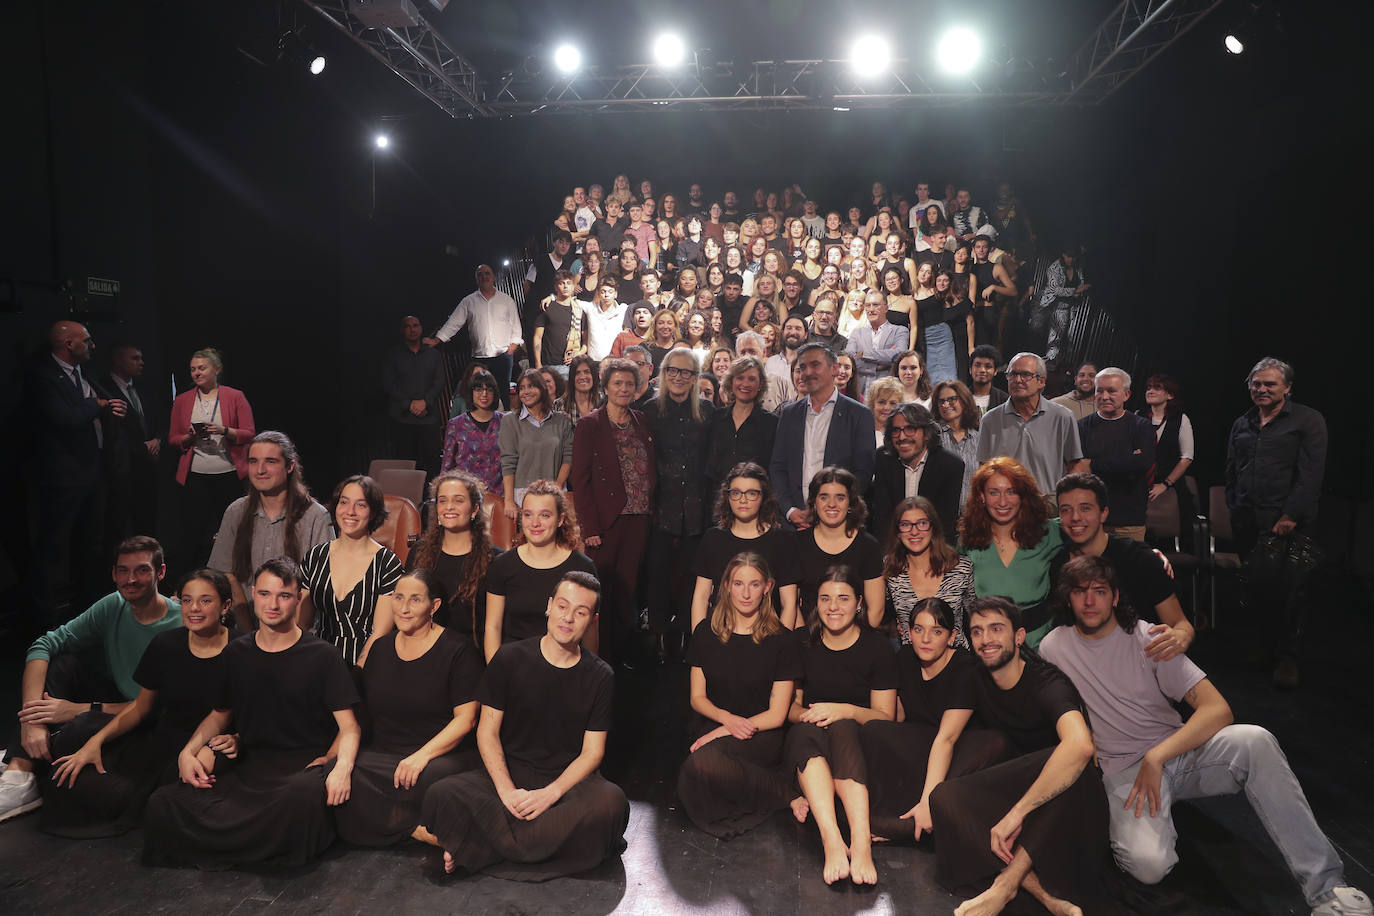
(1233, 45)
(317, 65)
(506, 263)
(669, 50)
(382, 141)
(959, 50)
(567, 58)
(871, 55)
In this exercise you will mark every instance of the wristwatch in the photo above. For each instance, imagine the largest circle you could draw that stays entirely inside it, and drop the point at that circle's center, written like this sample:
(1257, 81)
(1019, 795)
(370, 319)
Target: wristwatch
(97, 707)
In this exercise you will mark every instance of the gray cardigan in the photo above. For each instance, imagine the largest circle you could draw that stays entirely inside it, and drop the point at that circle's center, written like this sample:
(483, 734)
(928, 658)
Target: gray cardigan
(530, 452)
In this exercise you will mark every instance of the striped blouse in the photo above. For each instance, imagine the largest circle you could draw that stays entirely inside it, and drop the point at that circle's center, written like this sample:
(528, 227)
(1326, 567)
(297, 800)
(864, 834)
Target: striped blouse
(956, 590)
(347, 623)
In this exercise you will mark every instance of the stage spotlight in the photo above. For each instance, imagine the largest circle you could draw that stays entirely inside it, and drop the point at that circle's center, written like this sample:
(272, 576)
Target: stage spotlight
(1233, 45)
(669, 50)
(959, 50)
(317, 65)
(567, 58)
(505, 262)
(382, 141)
(870, 56)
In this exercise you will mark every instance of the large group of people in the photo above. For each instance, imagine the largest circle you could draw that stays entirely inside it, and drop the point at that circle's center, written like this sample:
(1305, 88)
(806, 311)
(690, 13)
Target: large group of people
(911, 602)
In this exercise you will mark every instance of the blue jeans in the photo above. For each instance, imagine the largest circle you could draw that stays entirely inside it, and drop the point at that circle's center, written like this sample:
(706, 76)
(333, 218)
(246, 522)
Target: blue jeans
(940, 361)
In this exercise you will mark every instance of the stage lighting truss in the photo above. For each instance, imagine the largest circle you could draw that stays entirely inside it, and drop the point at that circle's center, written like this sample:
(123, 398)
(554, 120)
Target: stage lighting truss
(1131, 37)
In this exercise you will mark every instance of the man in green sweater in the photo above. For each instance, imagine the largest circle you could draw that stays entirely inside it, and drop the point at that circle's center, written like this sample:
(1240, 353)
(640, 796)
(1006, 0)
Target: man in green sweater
(64, 686)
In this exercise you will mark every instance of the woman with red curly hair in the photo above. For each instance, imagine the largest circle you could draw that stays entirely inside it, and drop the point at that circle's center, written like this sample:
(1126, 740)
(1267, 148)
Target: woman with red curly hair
(1007, 534)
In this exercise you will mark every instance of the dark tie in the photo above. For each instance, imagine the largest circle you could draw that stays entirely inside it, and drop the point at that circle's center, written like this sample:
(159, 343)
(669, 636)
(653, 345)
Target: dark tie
(78, 381)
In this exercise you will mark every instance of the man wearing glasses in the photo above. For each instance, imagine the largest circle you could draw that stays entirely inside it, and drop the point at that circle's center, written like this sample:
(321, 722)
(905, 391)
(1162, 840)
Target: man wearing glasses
(912, 463)
(1038, 433)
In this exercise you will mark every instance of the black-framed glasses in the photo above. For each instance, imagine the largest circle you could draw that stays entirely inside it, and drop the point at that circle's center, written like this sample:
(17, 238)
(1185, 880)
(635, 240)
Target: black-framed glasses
(905, 431)
(744, 495)
(1022, 376)
(947, 402)
(906, 527)
(673, 372)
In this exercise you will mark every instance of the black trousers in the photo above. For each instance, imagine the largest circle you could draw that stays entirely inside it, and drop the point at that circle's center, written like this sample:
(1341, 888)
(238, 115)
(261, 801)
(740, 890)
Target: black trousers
(80, 680)
(203, 501)
(421, 441)
(670, 578)
(69, 573)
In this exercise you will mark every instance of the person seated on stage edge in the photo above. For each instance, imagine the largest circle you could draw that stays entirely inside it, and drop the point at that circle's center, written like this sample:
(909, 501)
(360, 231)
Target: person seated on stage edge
(290, 697)
(64, 688)
(1151, 758)
(930, 742)
(540, 809)
(420, 694)
(105, 782)
(1044, 810)
(849, 677)
(744, 667)
(277, 518)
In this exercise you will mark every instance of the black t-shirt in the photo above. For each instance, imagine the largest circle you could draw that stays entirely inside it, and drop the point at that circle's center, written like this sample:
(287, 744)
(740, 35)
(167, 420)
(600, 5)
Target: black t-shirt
(718, 547)
(412, 701)
(939, 260)
(1028, 712)
(609, 236)
(740, 673)
(546, 709)
(848, 675)
(556, 320)
(864, 556)
(926, 701)
(527, 591)
(628, 291)
(286, 700)
(187, 687)
(456, 613)
(1142, 576)
(730, 312)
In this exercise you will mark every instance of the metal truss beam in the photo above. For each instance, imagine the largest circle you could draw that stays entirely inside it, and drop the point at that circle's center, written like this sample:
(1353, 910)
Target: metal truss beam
(1128, 40)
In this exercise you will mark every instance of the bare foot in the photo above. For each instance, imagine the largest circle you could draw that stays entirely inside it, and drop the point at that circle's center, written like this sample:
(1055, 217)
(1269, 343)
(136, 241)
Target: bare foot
(449, 864)
(1058, 907)
(878, 839)
(424, 836)
(861, 867)
(801, 808)
(988, 903)
(836, 864)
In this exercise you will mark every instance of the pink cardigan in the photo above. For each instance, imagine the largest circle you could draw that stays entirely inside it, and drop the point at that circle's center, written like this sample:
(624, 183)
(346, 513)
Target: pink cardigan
(234, 413)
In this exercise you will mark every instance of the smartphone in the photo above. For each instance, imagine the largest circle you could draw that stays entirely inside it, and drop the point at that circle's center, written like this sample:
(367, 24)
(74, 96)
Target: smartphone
(199, 428)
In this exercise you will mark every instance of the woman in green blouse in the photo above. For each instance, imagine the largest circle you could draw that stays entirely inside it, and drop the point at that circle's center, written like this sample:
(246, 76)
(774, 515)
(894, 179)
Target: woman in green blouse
(1008, 535)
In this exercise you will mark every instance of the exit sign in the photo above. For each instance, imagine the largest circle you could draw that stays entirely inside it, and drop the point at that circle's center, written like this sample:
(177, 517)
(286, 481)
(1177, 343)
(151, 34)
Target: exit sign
(99, 286)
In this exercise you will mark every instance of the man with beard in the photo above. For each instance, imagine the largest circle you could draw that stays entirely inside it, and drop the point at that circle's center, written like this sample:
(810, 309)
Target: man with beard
(779, 365)
(912, 463)
(825, 321)
(1080, 401)
(1045, 810)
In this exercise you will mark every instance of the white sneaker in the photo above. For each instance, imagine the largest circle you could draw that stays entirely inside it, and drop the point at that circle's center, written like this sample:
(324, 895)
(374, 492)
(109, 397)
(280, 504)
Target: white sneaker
(1348, 901)
(18, 794)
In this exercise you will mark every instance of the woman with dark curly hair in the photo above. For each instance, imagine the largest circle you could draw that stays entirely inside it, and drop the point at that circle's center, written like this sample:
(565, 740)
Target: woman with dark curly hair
(349, 580)
(747, 519)
(835, 536)
(1007, 534)
(457, 548)
(584, 389)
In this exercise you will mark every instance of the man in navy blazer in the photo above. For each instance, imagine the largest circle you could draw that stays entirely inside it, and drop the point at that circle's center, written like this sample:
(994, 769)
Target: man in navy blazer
(825, 429)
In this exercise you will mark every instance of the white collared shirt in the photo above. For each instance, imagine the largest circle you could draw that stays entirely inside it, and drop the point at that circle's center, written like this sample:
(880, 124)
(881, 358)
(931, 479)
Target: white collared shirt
(913, 474)
(815, 437)
(495, 323)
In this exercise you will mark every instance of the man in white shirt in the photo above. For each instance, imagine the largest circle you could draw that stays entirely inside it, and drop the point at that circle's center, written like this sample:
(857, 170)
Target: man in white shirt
(496, 332)
(605, 320)
(922, 203)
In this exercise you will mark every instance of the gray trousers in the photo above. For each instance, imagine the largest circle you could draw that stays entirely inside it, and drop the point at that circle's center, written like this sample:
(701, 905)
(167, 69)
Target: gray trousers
(1237, 758)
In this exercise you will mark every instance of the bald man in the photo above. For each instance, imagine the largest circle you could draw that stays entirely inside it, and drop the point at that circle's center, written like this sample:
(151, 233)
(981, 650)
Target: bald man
(67, 407)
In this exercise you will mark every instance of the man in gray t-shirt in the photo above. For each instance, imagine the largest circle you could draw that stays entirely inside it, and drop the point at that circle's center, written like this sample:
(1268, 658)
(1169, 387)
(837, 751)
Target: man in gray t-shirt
(1043, 436)
(1150, 757)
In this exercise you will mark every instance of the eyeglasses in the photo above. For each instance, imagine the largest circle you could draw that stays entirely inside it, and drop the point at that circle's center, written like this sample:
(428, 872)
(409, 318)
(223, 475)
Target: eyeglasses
(673, 372)
(744, 496)
(1021, 376)
(488, 388)
(947, 402)
(906, 527)
(905, 431)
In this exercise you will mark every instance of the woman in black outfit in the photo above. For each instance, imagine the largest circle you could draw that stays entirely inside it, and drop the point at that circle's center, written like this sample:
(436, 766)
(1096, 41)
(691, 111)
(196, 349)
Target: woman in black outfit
(747, 519)
(937, 693)
(835, 536)
(849, 678)
(420, 691)
(457, 548)
(180, 677)
(741, 430)
(744, 668)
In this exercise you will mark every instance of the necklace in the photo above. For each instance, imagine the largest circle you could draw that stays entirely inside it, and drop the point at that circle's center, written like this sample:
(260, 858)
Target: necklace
(625, 425)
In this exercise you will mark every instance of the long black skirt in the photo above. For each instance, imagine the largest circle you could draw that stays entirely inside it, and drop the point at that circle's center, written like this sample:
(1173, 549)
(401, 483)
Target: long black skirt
(839, 743)
(379, 814)
(729, 786)
(1066, 837)
(897, 754)
(585, 827)
(267, 809)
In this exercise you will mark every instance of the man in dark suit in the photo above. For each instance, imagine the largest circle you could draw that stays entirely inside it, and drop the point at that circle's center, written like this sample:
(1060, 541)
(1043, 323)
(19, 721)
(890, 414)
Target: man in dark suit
(66, 423)
(130, 452)
(912, 463)
(826, 429)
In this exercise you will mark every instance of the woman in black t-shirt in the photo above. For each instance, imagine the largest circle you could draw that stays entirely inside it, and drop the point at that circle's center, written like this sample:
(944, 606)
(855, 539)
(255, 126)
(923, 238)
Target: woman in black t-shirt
(180, 676)
(744, 666)
(937, 693)
(420, 691)
(457, 548)
(835, 536)
(849, 678)
(747, 519)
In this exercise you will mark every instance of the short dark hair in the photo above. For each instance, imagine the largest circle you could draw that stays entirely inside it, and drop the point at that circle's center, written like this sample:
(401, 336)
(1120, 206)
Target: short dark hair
(848, 576)
(733, 278)
(995, 604)
(372, 492)
(1083, 481)
(939, 609)
(284, 568)
(585, 580)
(218, 580)
(986, 351)
(562, 235)
(141, 543)
(429, 578)
(1082, 571)
(817, 345)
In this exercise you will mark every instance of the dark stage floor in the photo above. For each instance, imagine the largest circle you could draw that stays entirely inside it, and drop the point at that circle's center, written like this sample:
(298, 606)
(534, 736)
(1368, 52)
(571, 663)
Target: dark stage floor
(1228, 865)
